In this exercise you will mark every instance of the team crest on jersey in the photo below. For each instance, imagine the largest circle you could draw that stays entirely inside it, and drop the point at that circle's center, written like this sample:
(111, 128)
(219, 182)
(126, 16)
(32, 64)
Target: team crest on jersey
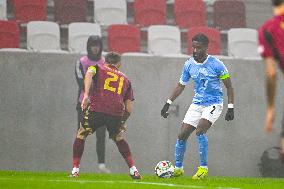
(203, 71)
(282, 25)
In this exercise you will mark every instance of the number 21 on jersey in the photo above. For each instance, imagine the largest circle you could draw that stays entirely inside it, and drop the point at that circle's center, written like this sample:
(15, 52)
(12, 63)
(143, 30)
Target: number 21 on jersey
(112, 79)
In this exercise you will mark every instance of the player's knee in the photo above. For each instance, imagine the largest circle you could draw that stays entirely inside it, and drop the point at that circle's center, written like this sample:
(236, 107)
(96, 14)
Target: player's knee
(81, 136)
(186, 131)
(82, 133)
(117, 138)
(181, 137)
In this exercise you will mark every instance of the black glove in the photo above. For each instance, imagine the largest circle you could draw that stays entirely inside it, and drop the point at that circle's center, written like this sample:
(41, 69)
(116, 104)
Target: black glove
(229, 114)
(164, 111)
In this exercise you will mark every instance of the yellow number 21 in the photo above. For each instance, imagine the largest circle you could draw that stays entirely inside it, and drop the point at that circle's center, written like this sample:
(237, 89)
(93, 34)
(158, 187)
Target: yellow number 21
(113, 78)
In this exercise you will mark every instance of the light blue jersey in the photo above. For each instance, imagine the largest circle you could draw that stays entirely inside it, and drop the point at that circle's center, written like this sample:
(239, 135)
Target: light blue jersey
(207, 78)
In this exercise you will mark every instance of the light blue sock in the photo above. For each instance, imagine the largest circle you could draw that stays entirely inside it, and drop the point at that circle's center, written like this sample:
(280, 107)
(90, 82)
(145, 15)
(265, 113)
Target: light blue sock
(203, 149)
(180, 148)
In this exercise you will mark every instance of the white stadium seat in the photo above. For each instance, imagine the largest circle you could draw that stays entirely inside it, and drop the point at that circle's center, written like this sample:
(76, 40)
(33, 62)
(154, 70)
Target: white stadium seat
(109, 12)
(43, 36)
(3, 10)
(78, 34)
(242, 43)
(164, 40)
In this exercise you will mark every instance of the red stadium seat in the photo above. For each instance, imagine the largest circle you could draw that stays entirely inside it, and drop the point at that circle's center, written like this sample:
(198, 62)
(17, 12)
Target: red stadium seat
(189, 13)
(213, 35)
(124, 38)
(9, 34)
(68, 11)
(150, 12)
(29, 10)
(229, 14)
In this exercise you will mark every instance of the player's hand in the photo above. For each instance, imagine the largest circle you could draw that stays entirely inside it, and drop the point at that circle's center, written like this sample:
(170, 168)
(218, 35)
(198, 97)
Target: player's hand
(230, 114)
(85, 102)
(270, 114)
(164, 111)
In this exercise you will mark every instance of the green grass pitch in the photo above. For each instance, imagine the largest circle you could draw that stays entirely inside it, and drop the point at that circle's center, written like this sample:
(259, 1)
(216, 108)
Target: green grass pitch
(43, 180)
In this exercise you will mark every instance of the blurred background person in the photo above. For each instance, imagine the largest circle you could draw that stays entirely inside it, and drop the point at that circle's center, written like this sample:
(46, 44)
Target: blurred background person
(271, 48)
(93, 57)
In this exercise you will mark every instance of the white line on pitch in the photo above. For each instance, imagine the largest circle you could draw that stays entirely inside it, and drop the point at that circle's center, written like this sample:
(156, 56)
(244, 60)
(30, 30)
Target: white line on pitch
(122, 182)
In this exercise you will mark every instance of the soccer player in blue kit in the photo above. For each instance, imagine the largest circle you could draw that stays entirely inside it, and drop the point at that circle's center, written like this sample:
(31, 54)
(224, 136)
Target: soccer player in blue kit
(207, 72)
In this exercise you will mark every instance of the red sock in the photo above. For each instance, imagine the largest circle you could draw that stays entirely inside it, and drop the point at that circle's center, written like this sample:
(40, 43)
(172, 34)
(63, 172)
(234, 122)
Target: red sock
(124, 150)
(78, 149)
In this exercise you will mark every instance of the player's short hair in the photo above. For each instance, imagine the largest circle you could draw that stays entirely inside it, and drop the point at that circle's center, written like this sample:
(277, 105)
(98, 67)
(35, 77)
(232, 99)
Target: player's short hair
(201, 38)
(112, 58)
(277, 2)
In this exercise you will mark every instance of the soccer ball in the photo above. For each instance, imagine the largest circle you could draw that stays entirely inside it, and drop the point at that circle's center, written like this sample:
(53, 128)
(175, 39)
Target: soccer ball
(164, 169)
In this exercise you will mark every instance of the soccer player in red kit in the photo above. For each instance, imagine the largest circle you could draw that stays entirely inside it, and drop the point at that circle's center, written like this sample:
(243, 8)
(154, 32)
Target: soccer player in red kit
(271, 48)
(93, 57)
(108, 100)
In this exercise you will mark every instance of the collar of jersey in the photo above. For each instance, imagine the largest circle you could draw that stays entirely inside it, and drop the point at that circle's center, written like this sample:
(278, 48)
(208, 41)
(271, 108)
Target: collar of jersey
(202, 62)
(111, 66)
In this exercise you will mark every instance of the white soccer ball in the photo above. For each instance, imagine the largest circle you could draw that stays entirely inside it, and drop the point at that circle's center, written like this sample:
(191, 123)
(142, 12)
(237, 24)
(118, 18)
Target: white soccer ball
(164, 169)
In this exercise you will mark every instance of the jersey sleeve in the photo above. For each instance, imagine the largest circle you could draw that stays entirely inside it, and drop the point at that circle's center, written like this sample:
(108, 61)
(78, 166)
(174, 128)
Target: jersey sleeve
(263, 46)
(222, 71)
(129, 93)
(92, 69)
(185, 75)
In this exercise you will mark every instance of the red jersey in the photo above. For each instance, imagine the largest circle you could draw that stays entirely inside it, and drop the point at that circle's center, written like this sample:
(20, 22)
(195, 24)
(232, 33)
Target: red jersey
(110, 89)
(271, 39)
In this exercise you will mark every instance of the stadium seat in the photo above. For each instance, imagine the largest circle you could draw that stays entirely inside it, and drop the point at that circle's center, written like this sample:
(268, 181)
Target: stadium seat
(164, 40)
(29, 10)
(209, 2)
(189, 13)
(213, 34)
(43, 36)
(124, 38)
(229, 14)
(150, 12)
(78, 34)
(3, 9)
(109, 12)
(242, 43)
(68, 11)
(9, 34)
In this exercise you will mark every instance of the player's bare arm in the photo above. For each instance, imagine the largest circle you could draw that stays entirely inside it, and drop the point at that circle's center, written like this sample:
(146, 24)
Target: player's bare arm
(230, 93)
(270, 71)
(177, 91)
(87, 82)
